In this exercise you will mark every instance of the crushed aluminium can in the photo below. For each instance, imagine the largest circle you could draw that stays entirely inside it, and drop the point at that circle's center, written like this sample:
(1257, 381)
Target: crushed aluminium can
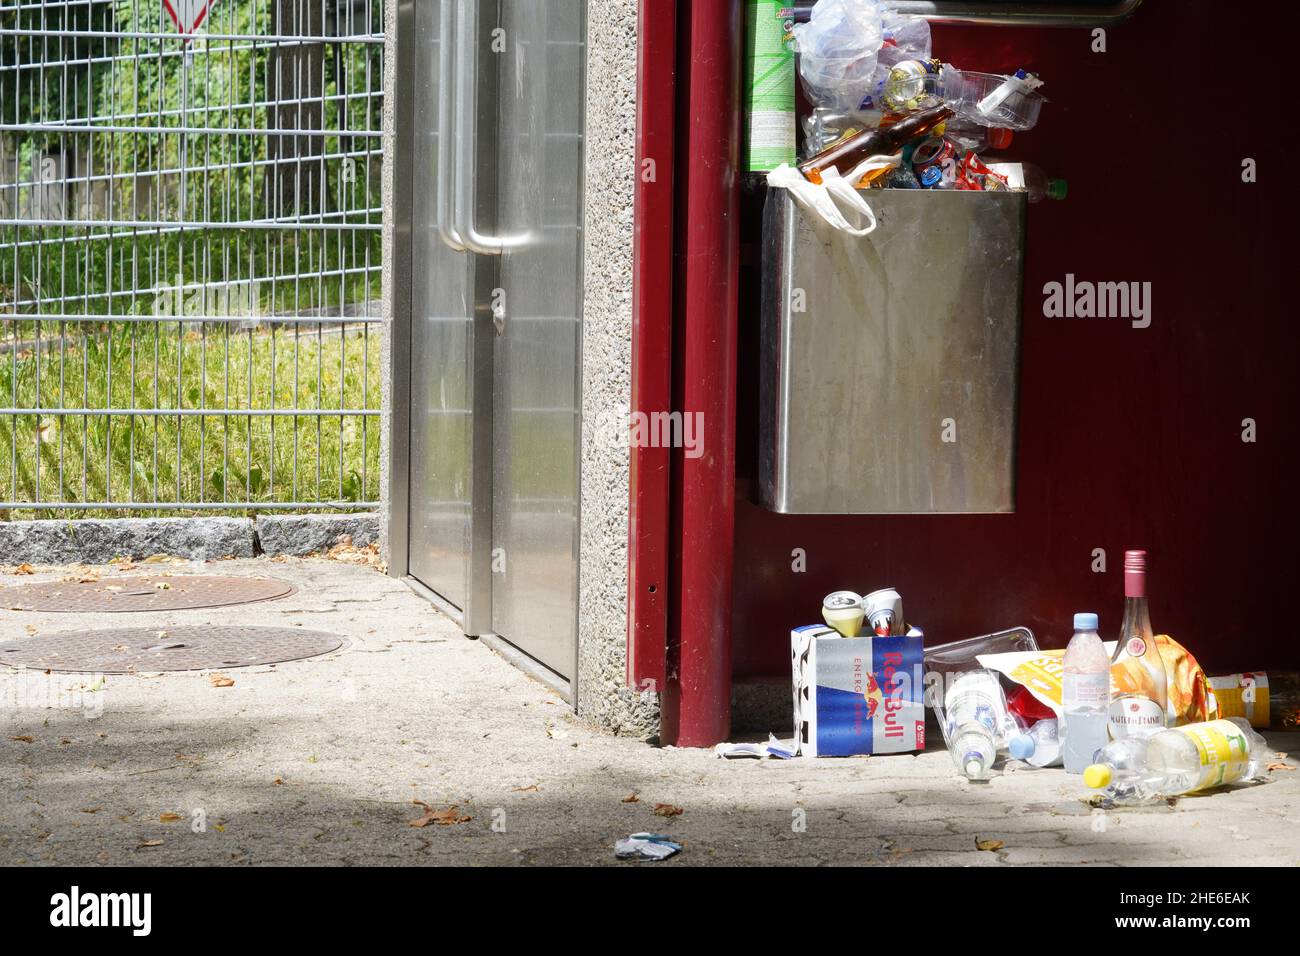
(884, 613)
(935, 162)
(843, 610)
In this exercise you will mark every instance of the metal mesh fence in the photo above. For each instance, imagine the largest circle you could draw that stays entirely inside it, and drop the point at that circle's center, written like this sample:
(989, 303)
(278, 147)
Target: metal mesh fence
(189, 255)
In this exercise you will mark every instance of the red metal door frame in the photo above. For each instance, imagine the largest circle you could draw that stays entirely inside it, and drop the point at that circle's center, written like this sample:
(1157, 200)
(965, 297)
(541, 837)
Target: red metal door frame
(689, 506)
(652, 341)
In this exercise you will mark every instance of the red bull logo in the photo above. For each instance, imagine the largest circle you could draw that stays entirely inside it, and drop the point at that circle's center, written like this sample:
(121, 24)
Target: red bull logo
(872, 696)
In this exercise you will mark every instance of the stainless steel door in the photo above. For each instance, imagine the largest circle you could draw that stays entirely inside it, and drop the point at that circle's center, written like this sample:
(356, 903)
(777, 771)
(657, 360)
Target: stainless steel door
(495, 317)
(450, 355)
(536, 407)
(442, 313)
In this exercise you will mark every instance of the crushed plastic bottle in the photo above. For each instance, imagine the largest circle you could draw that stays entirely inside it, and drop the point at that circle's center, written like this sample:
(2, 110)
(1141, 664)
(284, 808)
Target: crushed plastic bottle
(1135, 770)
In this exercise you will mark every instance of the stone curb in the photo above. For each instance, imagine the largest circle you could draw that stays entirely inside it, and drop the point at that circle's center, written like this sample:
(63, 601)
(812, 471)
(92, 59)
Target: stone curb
(98, 541)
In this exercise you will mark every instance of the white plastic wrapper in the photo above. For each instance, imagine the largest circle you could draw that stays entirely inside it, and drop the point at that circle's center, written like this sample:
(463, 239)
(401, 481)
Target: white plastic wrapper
(838, 51)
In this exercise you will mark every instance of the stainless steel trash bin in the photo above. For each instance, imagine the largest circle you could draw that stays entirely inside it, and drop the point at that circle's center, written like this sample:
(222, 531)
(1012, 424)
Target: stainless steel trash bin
(889, 363)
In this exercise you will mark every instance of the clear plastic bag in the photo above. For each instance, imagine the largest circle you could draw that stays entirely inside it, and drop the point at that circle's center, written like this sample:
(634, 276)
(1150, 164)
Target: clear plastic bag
(905, 38)
(838, 51)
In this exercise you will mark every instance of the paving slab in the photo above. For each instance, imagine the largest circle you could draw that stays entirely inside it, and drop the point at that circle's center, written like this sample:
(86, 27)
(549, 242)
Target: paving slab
(323, 761)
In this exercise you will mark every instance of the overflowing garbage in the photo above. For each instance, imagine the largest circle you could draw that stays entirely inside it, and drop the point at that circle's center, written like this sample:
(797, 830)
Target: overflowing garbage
(1131, 718)
(1134, 719)
(887, 112)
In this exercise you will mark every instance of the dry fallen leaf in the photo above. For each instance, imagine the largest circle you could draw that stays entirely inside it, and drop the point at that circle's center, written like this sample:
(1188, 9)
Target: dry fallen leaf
(344, 550)
(24, 569)
(1279, 766)
(990, 845)
(443, 818)
(278, 782)
(169, 817)
(149, 843)
(91, 809)
(531, 788)
(631, 798)
(24, 738)
(667, 810)
(221, 680)
(162, 586)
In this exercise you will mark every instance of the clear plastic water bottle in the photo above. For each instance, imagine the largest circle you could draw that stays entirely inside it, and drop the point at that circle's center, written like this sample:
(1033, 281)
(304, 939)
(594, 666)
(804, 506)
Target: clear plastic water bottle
(1038, 745)
(1180, 760)
(973, 750)
(1085, 695)
(976, 720)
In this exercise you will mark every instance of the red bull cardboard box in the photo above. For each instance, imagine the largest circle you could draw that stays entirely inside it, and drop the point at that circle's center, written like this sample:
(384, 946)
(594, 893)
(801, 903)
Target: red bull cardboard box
(861, 695)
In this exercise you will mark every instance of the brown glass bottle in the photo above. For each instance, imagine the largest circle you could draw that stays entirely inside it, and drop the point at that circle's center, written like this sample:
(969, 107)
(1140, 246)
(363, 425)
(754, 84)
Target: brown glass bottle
(886, 141)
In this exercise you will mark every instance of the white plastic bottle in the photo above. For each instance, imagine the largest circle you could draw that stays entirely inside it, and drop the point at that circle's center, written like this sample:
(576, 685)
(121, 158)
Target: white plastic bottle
(975, 711)
(1180, 760)
(1085, 695)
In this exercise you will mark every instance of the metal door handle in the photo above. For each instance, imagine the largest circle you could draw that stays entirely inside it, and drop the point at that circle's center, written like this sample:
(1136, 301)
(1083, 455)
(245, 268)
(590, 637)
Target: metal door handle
(466, 138)
(442, 189)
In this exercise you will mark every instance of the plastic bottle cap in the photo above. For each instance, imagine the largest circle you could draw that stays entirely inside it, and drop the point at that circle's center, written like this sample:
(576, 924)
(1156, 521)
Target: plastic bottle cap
(1021, 746)
(1058, 189)
(1097, 776)
(1085, 621)
(1000, 138)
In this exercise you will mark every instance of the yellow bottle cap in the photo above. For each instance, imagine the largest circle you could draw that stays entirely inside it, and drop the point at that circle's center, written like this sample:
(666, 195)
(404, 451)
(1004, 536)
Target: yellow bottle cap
(1097, 776)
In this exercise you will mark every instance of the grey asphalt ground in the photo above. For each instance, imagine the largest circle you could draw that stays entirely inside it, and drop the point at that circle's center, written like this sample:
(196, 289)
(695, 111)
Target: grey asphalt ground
(320, 762)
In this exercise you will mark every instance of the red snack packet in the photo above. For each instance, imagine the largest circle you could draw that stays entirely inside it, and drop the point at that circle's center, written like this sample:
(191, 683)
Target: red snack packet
(973, 174)
(1023, 704)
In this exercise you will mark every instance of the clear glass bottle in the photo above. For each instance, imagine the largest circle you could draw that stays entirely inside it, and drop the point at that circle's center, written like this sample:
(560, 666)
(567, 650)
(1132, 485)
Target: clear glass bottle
(1139, 688)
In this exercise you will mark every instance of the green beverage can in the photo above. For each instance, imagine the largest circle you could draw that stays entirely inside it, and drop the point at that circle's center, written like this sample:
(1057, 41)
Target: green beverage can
(769, 87)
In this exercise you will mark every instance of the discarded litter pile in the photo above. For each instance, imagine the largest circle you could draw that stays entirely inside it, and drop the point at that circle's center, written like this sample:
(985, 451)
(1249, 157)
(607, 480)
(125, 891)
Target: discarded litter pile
(1137, 718)
(887, 113)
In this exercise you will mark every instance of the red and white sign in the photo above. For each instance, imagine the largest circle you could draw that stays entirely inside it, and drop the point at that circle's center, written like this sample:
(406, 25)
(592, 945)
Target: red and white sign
(187, 14)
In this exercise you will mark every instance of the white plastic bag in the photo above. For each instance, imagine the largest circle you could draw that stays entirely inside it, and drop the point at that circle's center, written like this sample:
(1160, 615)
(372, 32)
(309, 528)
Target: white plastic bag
(824, 199)
(838, 48)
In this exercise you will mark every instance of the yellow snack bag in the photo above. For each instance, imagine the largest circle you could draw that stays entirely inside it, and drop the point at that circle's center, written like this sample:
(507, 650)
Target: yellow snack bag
(1190, 699)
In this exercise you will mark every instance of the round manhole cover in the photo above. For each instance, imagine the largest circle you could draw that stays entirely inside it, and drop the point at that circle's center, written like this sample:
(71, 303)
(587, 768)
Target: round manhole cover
(131, 649)
(141, 593)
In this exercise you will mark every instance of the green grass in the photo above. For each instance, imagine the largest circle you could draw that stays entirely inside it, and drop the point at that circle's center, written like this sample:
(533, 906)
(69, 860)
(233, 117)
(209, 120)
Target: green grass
(191, 459)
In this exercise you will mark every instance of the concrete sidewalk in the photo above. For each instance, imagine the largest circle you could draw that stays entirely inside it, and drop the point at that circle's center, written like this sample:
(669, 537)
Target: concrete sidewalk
(319, 762)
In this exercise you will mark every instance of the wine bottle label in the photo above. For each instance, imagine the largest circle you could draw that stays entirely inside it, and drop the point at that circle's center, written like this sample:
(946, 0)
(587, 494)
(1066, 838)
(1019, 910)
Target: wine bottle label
(1223, 750)
(1135, 716)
